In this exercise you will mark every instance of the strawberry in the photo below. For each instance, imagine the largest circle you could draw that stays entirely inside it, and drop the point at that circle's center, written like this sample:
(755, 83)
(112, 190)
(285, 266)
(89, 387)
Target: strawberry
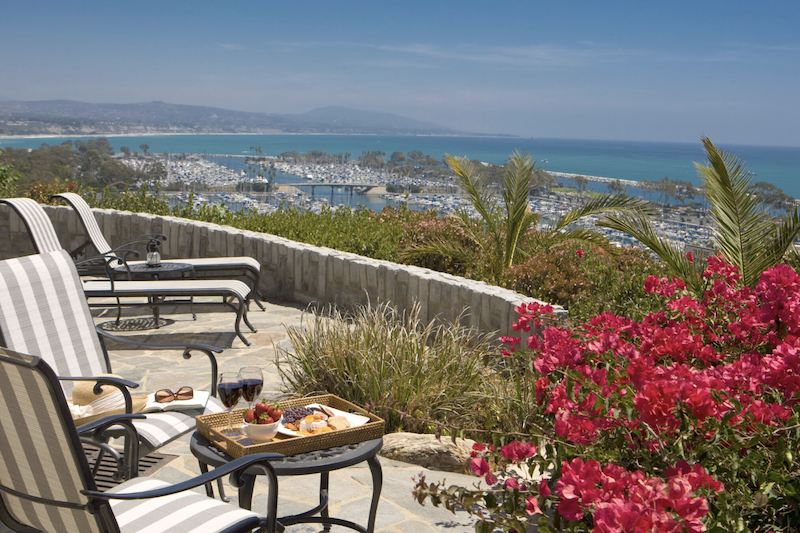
(262, 407)
(250, 416)
(277, 414)
(265, 419)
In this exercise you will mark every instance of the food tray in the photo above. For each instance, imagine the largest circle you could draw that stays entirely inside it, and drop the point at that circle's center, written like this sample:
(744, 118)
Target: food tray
(210, 426)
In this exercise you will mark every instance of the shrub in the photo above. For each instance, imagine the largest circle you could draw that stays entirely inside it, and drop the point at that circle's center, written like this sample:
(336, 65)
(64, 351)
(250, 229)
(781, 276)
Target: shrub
(377, 357)
(429, 229)
(687, 420)
(589, 282)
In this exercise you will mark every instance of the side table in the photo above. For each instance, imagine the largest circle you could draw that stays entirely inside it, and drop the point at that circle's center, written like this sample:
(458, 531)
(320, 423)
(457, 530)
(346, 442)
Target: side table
(320, 462)
(142, 270)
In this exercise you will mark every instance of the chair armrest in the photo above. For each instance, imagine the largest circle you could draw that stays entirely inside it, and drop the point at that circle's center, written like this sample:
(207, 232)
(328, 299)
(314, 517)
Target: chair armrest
(236, 468)
(206, 349)
(122, 384)
(106, 422)
(127, 467)
(144, 238)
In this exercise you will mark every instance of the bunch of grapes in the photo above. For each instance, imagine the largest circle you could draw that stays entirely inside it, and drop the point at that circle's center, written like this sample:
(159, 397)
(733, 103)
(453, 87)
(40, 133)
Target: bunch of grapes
(293, 414)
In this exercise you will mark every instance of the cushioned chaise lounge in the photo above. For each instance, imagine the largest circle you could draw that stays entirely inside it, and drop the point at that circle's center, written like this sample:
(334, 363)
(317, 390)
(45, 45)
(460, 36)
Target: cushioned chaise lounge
(234, 293)
(205, 267)
(44, 312)
(46, 483)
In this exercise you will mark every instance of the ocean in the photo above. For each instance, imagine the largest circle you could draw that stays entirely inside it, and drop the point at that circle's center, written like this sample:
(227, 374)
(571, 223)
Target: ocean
(625, 160)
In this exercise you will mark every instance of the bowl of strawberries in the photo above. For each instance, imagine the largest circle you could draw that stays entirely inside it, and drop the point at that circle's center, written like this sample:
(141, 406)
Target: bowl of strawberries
(261, 423)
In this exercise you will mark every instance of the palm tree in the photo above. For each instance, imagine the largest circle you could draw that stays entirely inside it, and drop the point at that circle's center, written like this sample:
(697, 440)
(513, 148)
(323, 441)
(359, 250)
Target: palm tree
(744, 233)
(507, 234)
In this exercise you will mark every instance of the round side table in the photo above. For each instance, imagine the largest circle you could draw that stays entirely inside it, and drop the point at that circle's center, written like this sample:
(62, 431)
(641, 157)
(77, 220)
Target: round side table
(145, 271)
(320, 462)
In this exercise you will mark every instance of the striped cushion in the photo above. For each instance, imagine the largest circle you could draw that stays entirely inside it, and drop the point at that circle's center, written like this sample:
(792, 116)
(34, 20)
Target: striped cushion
(185, 512)
(214, 263)
(89, 222)
(159, 428)
(201, 264)
(40, 228)
(36, 455)
(43, 312)
(177, 287)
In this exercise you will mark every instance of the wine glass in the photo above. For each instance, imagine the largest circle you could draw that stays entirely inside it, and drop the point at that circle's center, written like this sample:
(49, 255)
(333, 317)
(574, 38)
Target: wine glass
(252, 383)
(229, 389)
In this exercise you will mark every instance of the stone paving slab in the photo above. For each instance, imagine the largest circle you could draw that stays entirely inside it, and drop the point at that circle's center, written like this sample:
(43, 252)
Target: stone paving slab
(351, 488)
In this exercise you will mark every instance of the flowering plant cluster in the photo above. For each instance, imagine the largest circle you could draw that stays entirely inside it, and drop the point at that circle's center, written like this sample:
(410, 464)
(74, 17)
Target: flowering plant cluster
(684, 421)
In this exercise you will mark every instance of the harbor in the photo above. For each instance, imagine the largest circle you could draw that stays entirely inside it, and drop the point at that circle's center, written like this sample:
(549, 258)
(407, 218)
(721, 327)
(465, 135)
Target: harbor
(352, 185)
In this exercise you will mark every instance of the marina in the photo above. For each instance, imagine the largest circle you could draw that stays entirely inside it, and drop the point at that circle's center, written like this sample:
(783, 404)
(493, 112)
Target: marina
(296, 187)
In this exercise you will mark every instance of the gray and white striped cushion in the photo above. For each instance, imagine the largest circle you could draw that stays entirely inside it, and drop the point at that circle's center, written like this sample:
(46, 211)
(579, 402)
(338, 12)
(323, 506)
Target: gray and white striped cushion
(159, 428)
(36, 457)
(40, 228)
(201, 264)
(89, 222)
(176, 287)
(185, 512)
(43, 312)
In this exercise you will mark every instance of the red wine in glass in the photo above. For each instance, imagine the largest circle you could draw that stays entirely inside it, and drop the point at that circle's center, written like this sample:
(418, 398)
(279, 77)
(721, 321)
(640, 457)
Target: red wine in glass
(230, 393)
(229, 390)
(252, 383)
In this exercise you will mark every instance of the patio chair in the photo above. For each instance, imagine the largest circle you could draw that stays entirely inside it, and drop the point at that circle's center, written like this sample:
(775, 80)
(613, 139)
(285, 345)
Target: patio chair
(234, 293)
(46, 483)
(43, 312)
(207, 267)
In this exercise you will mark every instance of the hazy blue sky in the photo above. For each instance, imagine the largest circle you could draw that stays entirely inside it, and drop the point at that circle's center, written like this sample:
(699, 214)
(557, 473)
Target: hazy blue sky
(639, 70)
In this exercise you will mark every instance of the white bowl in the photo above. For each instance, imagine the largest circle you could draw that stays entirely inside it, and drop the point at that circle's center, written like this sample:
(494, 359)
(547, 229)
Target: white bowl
(261, 432)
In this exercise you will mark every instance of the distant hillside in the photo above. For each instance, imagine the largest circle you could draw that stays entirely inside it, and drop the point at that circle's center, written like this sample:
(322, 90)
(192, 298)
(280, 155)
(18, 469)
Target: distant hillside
(67, 117)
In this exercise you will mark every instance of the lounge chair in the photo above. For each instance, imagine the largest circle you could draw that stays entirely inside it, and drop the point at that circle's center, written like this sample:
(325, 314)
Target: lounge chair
(234, 293)
(206, 267)
(46, 483)
(44, 312)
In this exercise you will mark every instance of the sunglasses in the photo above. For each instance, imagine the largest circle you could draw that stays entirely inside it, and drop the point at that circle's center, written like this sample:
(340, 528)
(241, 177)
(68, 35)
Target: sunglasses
(166, 395)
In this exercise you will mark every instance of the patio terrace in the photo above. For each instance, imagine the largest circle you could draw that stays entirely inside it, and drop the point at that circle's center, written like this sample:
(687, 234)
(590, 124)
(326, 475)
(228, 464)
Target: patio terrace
(351, 487)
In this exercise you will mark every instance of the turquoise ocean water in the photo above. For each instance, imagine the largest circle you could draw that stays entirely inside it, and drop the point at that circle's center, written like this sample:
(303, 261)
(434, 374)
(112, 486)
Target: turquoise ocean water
(625, 160)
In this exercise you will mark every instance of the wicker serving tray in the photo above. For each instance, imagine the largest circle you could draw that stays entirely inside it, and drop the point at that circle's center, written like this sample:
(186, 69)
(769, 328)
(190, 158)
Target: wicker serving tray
(210, 427)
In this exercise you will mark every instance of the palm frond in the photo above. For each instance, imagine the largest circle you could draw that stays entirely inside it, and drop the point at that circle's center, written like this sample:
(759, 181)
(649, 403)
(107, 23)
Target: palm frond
(743, 230)
(516, 192)
(543, 241)
(445, 248)
(481, 199)
(618, 203)
(639, 227)
(778, 245)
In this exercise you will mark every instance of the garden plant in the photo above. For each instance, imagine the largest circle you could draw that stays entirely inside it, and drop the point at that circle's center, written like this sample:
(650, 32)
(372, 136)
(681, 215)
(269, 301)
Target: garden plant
(686, 420)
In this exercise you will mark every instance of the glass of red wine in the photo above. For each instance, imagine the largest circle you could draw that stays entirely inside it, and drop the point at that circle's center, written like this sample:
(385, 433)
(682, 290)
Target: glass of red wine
(229, 389)
(252, 383)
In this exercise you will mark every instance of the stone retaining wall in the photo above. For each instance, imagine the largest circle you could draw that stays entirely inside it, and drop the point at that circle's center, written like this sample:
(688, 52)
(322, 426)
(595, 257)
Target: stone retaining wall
(292, 271)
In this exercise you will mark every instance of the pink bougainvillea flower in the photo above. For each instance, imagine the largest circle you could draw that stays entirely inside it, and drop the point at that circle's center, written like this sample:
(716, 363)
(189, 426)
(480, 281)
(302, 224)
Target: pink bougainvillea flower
(532, 505)
(479, 466)
(579, 253)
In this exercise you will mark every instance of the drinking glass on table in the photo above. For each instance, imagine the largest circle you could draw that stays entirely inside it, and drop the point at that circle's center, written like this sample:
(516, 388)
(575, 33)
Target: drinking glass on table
(252, 383)
(229, 389)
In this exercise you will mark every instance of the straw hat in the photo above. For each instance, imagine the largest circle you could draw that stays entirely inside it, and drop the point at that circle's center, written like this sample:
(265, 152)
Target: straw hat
(110, 401)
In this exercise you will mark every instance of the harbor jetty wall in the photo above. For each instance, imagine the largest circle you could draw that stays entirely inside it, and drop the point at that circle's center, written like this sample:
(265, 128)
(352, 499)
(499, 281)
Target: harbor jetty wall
(292, 271)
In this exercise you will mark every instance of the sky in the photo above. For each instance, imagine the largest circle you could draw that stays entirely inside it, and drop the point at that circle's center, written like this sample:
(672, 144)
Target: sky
(617, 70)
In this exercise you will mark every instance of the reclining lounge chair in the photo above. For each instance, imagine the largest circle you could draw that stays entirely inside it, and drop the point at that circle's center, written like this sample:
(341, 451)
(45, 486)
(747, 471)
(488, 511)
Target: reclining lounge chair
(210, 267)
(46, 483)
(234, 293)
(44, 312)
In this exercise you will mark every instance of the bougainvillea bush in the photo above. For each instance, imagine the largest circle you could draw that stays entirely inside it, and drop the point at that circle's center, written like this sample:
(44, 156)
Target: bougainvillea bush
(684, 421)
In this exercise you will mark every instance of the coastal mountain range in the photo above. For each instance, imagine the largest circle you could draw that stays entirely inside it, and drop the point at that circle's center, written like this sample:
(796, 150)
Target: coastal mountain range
(68, 117)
